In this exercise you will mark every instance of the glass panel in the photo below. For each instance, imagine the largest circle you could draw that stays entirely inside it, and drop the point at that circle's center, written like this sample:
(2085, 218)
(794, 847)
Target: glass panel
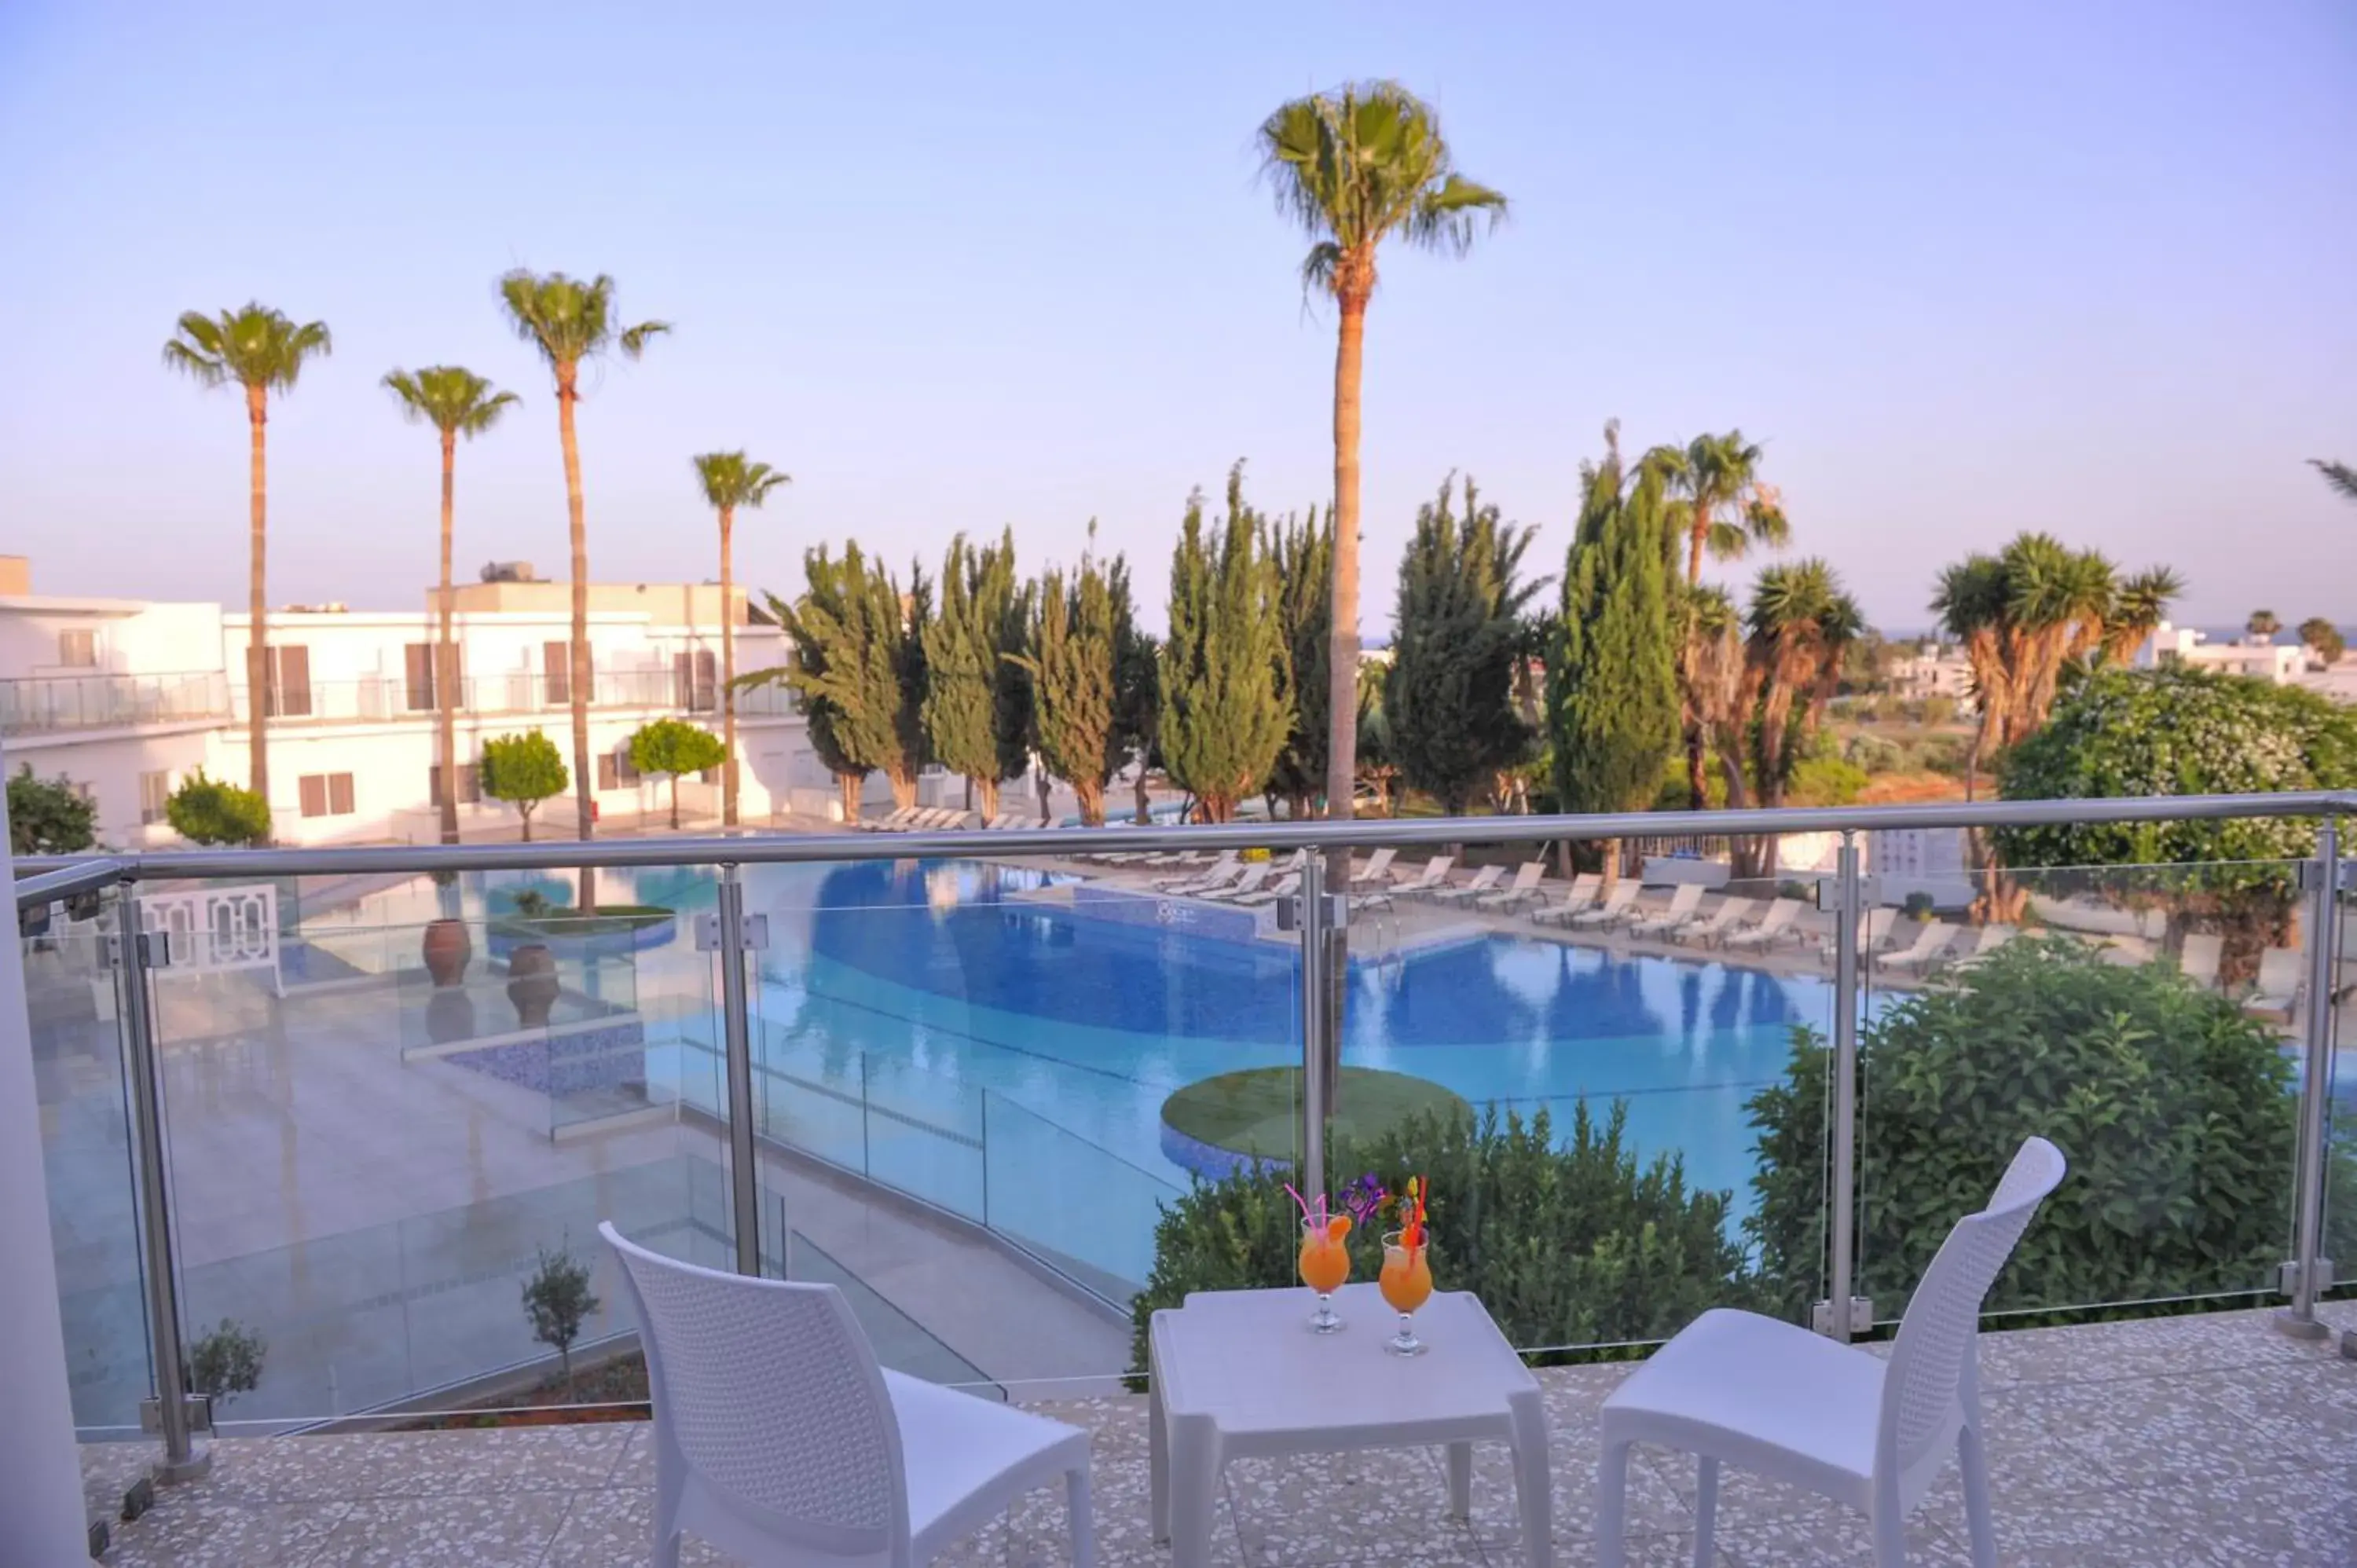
(86, 1147)
(393, 1104)
(2142, 1017)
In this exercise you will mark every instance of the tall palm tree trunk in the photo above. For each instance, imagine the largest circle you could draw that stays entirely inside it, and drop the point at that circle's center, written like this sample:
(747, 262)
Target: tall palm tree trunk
(585, 778)
(1698, 783)
(728, 672)
(257, 646)
(445, 657)
(1342, 659)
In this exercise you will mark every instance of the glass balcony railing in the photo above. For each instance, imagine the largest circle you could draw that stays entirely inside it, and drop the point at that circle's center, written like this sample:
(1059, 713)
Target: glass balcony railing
(1007, 1088)
(42, 705)
(391, 698)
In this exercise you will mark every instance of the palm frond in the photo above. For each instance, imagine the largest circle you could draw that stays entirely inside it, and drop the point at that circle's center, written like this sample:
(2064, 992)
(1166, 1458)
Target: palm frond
(635, 338)
(451, 398)
(254, 345)
(2339, 475)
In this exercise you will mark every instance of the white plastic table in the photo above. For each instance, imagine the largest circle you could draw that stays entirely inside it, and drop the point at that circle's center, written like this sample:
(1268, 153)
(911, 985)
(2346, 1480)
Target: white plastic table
(1237, 1374)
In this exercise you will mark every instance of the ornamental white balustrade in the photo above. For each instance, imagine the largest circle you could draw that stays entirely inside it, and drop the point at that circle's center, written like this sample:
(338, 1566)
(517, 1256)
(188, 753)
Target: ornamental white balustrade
(212, 931)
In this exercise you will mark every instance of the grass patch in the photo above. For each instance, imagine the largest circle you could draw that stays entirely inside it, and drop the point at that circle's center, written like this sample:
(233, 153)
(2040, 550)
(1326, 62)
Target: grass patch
(1256, 1111)
(566, 922)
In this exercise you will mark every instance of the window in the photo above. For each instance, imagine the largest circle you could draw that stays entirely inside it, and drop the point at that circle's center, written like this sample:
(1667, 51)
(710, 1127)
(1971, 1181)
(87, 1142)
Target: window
(610, 775)
(709, 776)
(78, 650)
(556, 683)
(155, 794)
(470, 783)
(628, 769)
(696, 681)
(327, 794)
(287, 674)
(417, 668)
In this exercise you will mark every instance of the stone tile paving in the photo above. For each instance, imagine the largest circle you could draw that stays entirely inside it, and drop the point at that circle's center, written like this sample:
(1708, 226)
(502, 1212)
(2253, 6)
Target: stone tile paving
(2166, 1442)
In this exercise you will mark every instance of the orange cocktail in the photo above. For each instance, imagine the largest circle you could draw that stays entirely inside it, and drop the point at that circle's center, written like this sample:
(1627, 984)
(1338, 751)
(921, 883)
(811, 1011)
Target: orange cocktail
(1407, 1283)
(1325, 1264)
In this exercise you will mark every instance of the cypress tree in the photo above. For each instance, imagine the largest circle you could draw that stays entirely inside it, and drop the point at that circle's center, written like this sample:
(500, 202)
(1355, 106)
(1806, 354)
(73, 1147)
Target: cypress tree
(1078, 627)
(1304, 552)
(1612, 681)
(1224, 714)
(967, 701)
(1449, 699)
(859, 665)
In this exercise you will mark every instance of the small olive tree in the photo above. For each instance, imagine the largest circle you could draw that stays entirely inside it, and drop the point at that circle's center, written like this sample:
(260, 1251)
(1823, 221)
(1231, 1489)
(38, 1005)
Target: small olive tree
(227, 1361)
(559, 1301)
(523, 770)
(672, 747)
(206, 811)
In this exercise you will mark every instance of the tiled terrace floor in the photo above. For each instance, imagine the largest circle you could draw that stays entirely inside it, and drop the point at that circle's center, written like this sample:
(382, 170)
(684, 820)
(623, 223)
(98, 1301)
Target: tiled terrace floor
(2166, 1441)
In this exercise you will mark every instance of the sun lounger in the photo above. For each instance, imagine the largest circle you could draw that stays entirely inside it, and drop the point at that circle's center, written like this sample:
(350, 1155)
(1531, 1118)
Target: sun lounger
(1248, 882)
(1775, 923)
(1616, 904)
(2198, 958)
(2277, 992)
(1435, 875)
(1521, 890)
(1582, 894)
(1717, 923)
(1223, 870)
(1681, 906)
(1483, 880)
(1283, 888)
(1989, 938)
(1377, 871)
(1930, 943)
(1873, 933)
(886, 824)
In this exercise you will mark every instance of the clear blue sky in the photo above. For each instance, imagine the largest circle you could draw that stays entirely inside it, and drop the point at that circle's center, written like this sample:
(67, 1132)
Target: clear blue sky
(2091, 268)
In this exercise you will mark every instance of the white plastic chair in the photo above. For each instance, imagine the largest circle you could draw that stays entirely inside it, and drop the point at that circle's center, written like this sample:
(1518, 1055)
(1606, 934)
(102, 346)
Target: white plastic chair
(779, 1438)
(1775, 1399)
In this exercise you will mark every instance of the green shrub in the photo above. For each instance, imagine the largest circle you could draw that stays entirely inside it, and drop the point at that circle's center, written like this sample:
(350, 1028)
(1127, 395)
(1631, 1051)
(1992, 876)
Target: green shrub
(2174, 1110)
(207, 811)
(49, 816)
(1575, 1245)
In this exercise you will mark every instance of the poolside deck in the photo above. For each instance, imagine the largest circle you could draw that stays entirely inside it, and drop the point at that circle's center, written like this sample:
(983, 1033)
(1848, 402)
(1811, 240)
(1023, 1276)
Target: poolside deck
(2159, 1443)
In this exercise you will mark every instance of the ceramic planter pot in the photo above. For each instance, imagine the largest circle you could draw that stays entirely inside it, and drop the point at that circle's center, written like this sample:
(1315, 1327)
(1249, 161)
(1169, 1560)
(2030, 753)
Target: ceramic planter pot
(448, 951)
(532, 983)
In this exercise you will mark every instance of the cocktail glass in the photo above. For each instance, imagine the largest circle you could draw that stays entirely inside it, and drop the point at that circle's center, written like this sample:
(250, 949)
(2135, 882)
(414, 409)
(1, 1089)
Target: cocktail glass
(1406, 1285)
(1324, 1265)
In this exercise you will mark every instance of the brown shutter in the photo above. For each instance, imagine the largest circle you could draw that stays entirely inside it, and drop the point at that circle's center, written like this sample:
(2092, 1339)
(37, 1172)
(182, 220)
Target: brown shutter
(339, 794)
(314, 794)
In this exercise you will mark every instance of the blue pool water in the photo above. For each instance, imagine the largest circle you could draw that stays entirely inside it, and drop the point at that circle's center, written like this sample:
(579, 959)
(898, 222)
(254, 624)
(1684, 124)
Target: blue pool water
(939, 982)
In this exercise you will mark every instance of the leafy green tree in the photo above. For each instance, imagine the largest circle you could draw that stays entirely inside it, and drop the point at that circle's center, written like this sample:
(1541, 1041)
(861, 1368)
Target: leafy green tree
(1612, 677)
(976, 697)
(860, 663)
(455, 401)
(1456, 638)
(49, 816)
(558, 1302)
(2339, 475)
(669, 747)
(2174, 1110)
(570, 322)
(1223, 714)
(1376, 769)
(1568, 1240)
(2322, 640)
(1354, 167)
(1079, 627)
(523, 770)
(206, 811)
(1138, 693)
(2176, 730)
(1304, 553)
(729, 481)
(260, 352)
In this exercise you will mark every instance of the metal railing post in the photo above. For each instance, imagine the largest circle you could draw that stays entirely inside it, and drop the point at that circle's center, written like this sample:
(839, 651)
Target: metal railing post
(175, 1416)
(737, 1048)
(1841, 1213)
(2308, 1267)
(1314, 1022)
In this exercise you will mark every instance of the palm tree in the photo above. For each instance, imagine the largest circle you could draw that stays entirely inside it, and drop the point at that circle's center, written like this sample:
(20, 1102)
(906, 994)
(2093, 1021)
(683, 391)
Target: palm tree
(729, 482)
(2263, 626)
(570, 321)
(1800, 625)
(456, 403)
(1353, 167)
(2339, 475)
(260, 350)
(2138, 606)
(1716, 504)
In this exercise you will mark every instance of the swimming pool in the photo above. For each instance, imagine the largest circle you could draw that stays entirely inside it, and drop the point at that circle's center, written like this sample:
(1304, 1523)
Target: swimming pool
(949, 978)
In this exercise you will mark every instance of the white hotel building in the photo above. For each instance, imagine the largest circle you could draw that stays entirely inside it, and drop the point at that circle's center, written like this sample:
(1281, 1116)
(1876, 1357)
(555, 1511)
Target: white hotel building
(126, 698)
